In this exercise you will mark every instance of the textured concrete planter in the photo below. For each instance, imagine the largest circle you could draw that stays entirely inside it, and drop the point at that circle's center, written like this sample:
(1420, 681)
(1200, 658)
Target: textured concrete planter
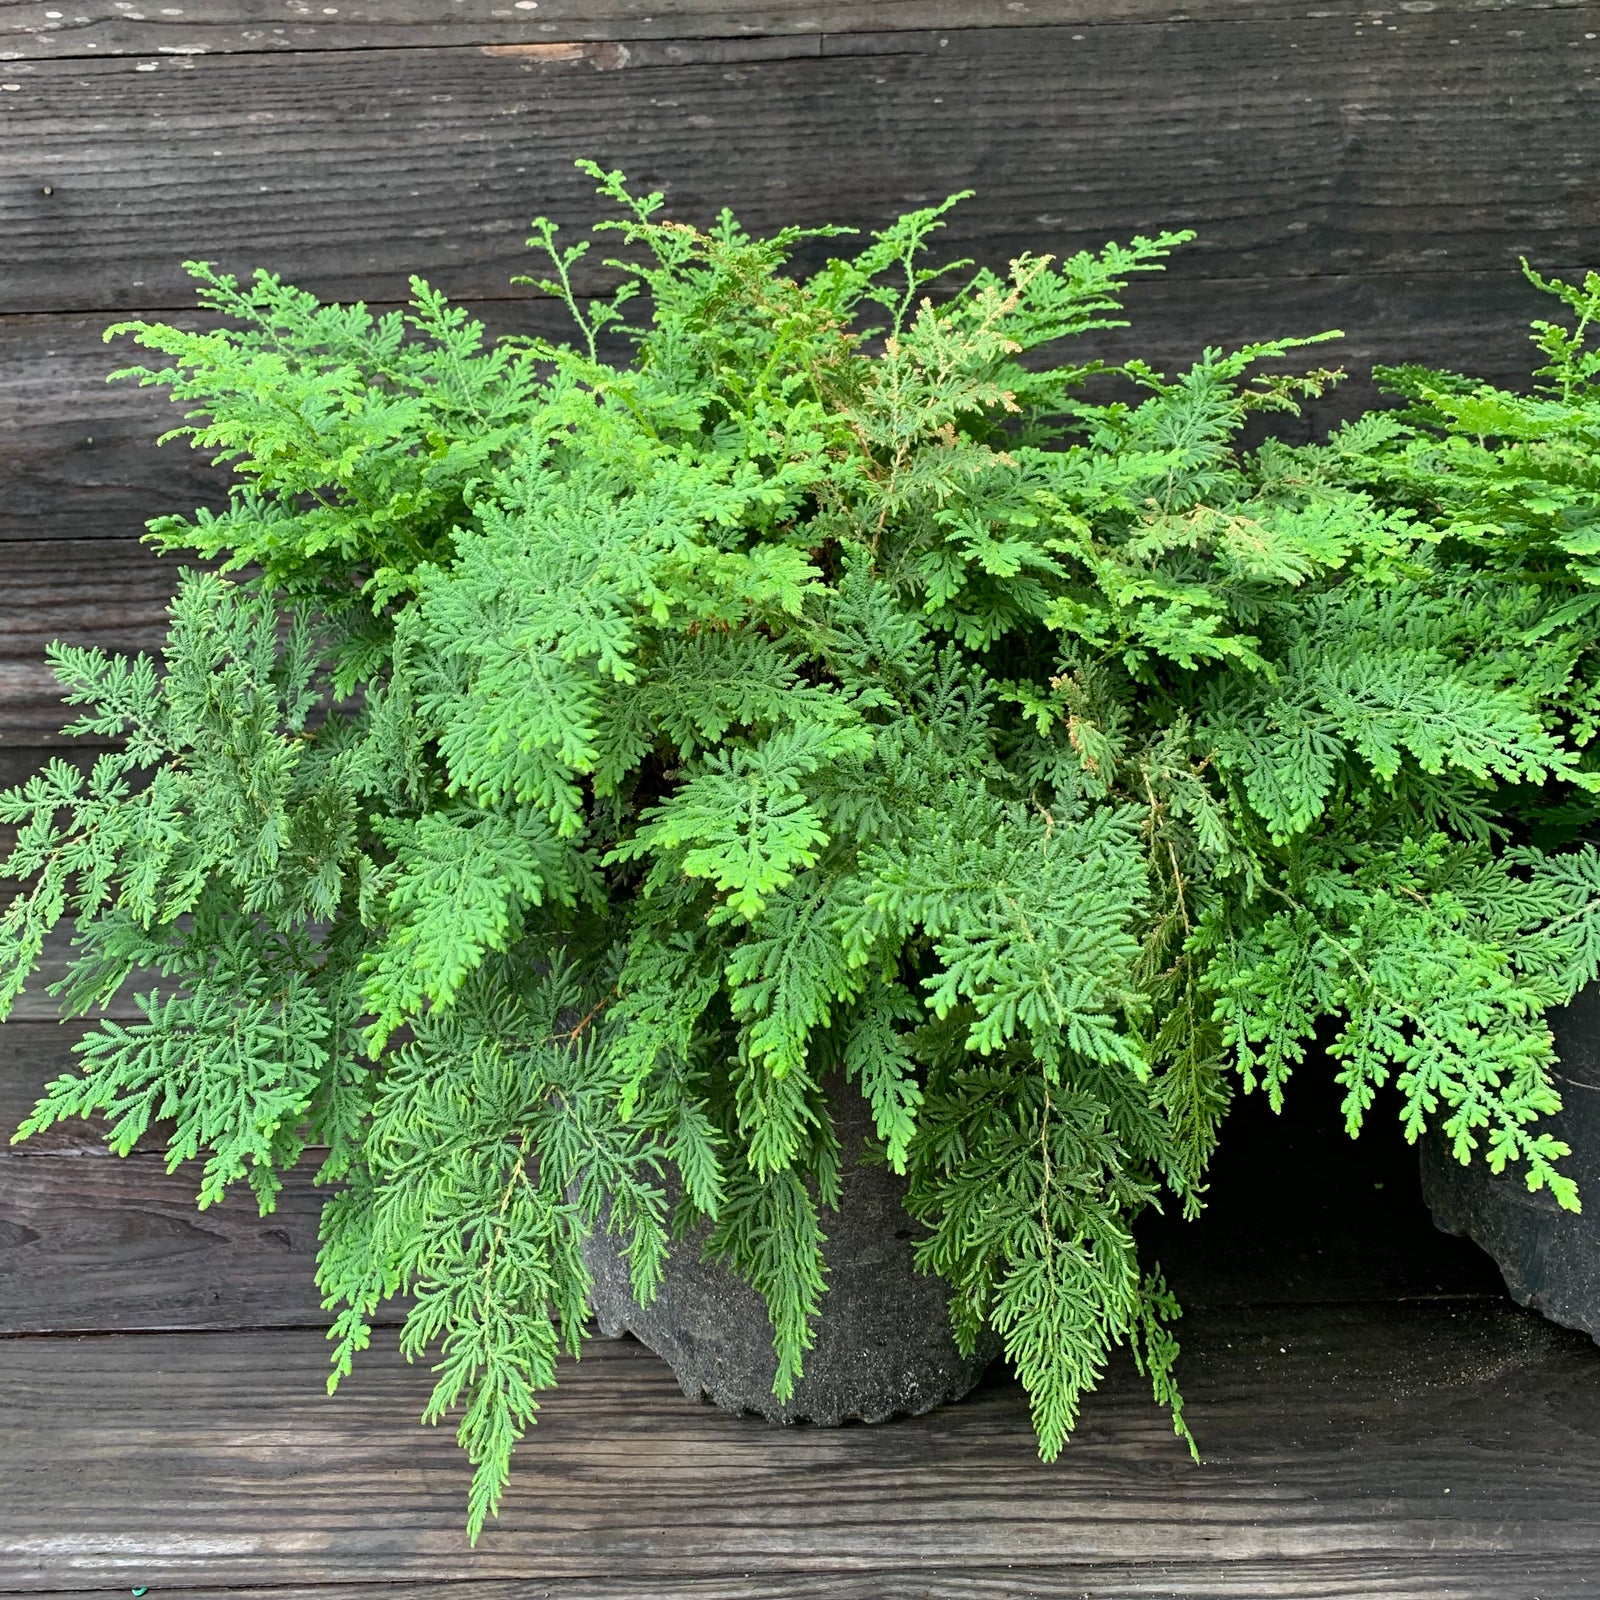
(1549, 1258)
(883, 1346)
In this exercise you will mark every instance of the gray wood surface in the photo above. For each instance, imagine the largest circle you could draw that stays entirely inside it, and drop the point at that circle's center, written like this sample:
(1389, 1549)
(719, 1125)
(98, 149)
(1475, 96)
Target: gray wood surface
(1298, 1216)
(93, 1243)
(108, 593)
(1364, 164)
(90, 1245)
(34, 29)
(109, 1245)
(165, 1460)
(1302, 147)
(31, 1055)
(1478, 1576)
(80, 461)
(78, 456)
(36, 1005)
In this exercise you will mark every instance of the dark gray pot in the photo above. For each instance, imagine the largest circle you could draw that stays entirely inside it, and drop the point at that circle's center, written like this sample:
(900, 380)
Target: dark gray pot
(883, 1342)
(1550, 1258)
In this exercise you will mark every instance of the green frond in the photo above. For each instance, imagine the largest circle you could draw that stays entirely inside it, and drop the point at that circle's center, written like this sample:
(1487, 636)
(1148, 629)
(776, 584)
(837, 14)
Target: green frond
(570, 775)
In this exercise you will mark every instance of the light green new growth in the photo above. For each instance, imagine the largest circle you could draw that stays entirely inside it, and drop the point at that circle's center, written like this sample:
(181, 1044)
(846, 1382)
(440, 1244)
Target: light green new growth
(593, 761)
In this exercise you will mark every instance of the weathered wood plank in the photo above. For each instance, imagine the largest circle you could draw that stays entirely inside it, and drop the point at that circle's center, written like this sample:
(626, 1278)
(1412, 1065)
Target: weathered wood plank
(80, 460)
(1303, 147)
(31, 1055)
(18, 761)
(92, 1243)
(79, 457)
(1297, 1214)
(1450, 1577)
(90, 1246)
(37, 1005)
(166, 1460)
(34, 29)
(111, 593)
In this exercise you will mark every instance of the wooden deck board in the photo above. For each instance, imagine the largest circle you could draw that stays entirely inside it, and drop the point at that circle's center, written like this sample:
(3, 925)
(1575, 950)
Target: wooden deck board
(1478, 1576)
(110, 593)
(31, 1054)
(1302, 147)
(1298, 1215)
(34, 30)
(80, 460)
(1368, 1433)
(92, 1245)
(1345, 1365)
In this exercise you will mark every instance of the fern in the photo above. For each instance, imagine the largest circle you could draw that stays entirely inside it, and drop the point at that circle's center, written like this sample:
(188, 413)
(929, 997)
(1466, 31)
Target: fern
(579, 774)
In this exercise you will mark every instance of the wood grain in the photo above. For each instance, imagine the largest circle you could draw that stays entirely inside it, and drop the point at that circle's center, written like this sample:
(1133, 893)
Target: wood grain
(91, 1245)
(80, 460)
(1298, 1215)
(35, 29)
(90, 1242)
(1478, 1576)
(111, 593)
(165, 1460)
(78, 456)
(1301, 147)
(31, 1055)
(37, 1005)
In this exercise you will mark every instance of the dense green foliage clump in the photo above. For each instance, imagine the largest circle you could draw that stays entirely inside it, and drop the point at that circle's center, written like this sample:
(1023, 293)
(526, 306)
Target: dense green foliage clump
(587, 772)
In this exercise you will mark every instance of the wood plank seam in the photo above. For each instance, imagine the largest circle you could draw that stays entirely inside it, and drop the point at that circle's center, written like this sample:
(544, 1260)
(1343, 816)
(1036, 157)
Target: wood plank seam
(1347, 163)
(187, 310)
(136, 33)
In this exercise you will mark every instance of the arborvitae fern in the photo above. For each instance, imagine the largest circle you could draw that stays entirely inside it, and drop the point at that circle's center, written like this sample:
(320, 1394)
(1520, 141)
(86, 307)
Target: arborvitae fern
(589, 771)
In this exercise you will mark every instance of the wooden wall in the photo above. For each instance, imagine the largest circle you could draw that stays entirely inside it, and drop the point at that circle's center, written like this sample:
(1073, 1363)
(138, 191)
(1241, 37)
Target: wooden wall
(1375, 165)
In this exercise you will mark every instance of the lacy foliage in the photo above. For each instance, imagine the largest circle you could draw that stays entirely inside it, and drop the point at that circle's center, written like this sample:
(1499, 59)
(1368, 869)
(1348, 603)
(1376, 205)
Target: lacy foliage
(583, 772)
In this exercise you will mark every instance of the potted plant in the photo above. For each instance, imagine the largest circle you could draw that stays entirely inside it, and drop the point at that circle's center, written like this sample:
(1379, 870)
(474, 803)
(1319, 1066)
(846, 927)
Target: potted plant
(608, 813)
(1511, 483)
